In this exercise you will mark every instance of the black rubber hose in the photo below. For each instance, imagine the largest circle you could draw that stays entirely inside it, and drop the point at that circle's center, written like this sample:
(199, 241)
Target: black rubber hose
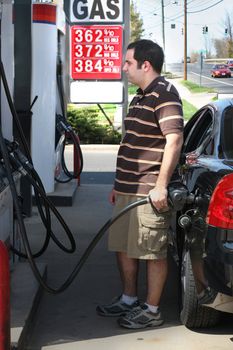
(49, 232)
(46, 219)
(49, 204)
(13, 148)
(26, 170)
(13, 111)
(18, 211)
(69, 131)
(63, 165)
(89, 249)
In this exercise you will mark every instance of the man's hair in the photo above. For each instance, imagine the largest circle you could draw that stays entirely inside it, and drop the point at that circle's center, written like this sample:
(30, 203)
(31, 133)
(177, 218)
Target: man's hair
(147, 50)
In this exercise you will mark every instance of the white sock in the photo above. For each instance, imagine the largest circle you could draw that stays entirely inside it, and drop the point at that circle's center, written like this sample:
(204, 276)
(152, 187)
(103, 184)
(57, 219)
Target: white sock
(127, 299)
(152, 308)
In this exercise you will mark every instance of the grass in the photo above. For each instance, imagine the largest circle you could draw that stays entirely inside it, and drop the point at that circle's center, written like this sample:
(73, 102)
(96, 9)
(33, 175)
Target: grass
(132, 89)
(194, 88)
(188, 110)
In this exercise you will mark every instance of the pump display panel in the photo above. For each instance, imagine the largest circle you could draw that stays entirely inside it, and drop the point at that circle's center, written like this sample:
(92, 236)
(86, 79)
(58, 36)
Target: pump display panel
(96, 52)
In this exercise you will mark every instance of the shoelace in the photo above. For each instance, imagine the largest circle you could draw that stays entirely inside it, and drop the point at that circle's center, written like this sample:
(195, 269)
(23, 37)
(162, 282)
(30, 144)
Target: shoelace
(134, 312)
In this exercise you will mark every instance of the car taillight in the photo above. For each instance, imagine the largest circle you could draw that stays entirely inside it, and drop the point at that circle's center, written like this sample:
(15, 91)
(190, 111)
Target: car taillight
(220, 211)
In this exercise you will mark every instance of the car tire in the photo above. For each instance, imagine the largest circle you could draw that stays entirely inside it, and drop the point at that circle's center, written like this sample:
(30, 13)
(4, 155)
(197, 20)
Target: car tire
(193, 315)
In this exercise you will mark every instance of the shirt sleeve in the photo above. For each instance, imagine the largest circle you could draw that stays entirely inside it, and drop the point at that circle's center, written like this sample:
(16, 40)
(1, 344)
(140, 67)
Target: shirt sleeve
(169, 113)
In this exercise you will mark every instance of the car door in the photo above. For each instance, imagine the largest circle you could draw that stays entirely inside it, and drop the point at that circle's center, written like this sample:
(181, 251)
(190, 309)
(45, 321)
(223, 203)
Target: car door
(199, 145)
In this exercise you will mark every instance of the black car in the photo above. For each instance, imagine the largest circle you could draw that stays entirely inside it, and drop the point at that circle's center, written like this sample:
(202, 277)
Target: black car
(202, 237)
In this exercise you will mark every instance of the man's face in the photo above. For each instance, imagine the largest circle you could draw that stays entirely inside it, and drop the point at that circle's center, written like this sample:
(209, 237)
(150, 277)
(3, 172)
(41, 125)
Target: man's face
(134, 74)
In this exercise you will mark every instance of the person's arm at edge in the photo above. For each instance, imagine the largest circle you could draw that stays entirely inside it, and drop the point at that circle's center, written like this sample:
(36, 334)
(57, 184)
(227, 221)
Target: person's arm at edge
(171, 156)
(112, 196)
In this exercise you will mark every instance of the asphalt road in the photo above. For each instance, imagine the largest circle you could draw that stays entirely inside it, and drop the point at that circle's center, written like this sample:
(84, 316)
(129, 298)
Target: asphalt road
(203, 77)
(68, 321)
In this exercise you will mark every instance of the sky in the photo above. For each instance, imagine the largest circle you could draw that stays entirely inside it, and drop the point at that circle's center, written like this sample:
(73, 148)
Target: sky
(200, 13)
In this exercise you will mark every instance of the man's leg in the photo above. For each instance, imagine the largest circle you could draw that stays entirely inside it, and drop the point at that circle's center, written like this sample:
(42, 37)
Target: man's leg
(128, 268)
(148, 315)
(156, 277)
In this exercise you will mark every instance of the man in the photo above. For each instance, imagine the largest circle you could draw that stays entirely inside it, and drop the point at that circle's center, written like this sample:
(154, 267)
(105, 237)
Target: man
(146, 160)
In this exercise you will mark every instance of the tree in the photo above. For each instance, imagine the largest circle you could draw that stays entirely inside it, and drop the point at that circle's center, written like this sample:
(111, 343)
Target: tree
(136, 23)
(220, 48)
(224, 47)
(229, 34)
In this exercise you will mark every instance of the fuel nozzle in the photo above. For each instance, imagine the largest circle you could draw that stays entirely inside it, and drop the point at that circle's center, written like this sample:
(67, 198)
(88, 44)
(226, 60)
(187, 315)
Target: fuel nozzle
(178, 195)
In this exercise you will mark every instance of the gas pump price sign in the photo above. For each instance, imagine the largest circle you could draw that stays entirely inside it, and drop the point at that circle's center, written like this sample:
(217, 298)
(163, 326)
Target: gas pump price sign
(96, 52)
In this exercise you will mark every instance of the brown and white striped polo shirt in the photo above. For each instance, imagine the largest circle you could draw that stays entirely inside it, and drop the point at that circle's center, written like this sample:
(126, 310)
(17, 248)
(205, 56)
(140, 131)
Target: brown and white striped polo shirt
(153, 113)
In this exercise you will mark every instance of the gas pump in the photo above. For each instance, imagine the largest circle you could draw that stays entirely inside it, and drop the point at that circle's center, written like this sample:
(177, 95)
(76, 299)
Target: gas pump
(8, 231)
(8, 235)
(48, 39)
(50, 84)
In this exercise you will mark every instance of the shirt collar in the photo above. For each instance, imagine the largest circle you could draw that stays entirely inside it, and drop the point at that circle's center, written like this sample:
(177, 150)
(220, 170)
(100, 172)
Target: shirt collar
(151, 86)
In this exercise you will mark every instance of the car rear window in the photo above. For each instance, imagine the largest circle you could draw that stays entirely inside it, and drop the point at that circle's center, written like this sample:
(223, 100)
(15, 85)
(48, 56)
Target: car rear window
(221, 66)
(227, 136)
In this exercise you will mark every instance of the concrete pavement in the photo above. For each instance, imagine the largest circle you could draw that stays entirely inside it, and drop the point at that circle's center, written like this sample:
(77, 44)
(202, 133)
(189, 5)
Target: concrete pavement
(196, 99)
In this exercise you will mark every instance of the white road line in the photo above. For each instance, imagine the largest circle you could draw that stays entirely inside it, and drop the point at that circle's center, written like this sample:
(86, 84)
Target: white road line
(219, 81)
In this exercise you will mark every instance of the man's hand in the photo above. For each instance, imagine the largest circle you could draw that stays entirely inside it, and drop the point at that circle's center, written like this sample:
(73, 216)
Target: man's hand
(158, 197)
(112, 197)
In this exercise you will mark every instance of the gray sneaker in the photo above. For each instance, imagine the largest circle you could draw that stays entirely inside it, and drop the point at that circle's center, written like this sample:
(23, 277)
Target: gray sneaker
(141, 317)
(115, 308)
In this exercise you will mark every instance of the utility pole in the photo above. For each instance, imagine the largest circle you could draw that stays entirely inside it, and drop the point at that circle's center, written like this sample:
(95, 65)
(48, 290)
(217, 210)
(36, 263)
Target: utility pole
(185, 39)
(163, 34)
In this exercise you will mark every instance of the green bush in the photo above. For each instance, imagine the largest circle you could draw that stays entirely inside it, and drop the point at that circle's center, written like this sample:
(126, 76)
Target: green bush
(85, 123)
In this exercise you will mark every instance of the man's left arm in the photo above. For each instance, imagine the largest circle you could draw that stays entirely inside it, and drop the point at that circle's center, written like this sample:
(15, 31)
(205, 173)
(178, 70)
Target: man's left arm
(171, 156)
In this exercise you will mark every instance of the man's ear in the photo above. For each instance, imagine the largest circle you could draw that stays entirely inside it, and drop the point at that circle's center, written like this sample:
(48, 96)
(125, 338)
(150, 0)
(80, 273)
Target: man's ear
(147, 66)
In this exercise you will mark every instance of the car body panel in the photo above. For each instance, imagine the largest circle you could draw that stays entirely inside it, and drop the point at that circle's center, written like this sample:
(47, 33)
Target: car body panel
(208, 154)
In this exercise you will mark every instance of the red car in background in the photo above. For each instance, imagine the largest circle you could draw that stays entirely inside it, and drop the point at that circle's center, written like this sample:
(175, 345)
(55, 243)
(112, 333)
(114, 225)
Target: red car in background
(220, 71)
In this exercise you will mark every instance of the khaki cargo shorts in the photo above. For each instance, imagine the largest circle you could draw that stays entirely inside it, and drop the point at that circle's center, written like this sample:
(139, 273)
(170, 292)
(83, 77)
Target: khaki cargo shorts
(140, 233)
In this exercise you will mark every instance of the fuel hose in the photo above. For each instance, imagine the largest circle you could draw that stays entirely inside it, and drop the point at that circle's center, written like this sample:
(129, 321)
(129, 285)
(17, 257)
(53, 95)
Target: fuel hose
(11, 159)
(64, 126)
(45, 215)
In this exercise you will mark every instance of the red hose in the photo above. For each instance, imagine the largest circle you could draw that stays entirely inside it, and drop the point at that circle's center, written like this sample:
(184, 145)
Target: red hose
(4, 298)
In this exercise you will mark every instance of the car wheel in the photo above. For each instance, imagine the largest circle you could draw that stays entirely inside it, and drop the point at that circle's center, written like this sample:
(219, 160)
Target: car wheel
(192, 314)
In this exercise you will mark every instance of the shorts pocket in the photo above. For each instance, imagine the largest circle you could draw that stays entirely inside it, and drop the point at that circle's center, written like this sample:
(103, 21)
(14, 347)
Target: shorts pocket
(152, 234)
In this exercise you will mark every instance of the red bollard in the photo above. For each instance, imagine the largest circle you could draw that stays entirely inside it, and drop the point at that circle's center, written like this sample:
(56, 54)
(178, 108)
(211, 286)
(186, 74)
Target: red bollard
(4, 298)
